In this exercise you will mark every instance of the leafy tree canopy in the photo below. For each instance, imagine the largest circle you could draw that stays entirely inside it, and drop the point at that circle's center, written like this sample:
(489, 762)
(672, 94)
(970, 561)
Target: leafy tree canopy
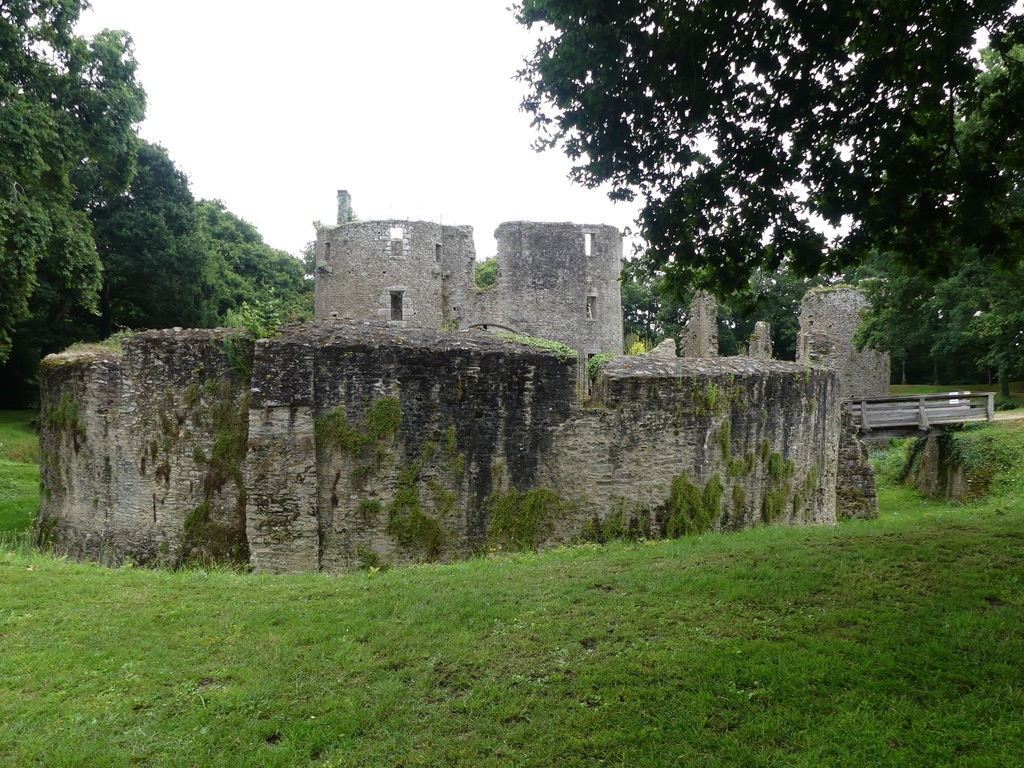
(241, 268)
(745, 126)
(68, 107)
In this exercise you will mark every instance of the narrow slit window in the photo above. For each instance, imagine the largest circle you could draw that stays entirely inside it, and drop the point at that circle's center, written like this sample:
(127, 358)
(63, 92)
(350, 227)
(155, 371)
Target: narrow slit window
(591, 307)
(396, 304)
(327, 250)
(588, 243)
(437, 253)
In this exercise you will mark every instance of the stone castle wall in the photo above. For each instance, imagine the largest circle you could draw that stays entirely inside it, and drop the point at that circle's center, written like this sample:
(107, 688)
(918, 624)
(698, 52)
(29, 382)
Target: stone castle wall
(140, 450)
(856, 490)
(829, 318)
(357, 443)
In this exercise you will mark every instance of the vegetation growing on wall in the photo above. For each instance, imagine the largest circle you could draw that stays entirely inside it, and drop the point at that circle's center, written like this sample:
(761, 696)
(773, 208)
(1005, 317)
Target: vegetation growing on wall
(692, 510)
(518, 519)
(596, 363)
(63, 417)
(207, 540)
(382, 421)
(239, 350)
(619, 525)
(563, 351)
(780, 489)
(212, 534)
(407, 521)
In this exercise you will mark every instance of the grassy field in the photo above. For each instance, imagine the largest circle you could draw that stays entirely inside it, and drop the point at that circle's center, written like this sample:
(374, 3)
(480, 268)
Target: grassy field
(1016, 389)
(896, 642)
(19, 471)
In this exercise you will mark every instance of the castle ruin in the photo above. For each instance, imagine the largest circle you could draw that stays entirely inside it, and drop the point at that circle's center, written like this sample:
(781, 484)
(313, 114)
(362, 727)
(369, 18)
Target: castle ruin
(397, 429)
(556, 281)
(829, 319)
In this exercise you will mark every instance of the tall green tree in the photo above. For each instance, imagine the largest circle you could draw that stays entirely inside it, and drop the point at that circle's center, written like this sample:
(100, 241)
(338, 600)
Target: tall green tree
(957, 329)
(154, 261)
(240, 267)
(68, 110)
(653, 310)
(743, 126)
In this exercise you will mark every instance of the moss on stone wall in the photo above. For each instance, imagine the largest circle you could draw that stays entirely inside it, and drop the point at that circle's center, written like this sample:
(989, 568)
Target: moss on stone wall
(780, 469)
(369, 509)
(563, 351)
(407, 521)
(211, 532)
(692, 510)
(811, 480)
(62, 418)
(230, 421)
(518, 519)
(738, 467)
(780, 490)
(724, 439)
(739, 498)
(383, 420)
(622, 524)
(207, 541)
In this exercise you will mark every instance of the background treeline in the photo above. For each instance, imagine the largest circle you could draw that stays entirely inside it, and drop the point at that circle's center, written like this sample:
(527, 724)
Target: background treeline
(99, 231)
(967, 327)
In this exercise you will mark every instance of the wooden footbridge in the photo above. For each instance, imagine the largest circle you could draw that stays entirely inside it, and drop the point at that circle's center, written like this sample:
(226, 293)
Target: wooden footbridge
(916, 414)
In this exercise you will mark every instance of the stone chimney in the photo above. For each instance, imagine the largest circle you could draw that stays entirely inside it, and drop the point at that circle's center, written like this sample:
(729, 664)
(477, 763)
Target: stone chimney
(344, 206)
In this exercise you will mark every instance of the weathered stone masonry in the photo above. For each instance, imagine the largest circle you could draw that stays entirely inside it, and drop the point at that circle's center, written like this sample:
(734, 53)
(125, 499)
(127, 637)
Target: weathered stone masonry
(141, 452)
(558, 281)
(357, 443)
(829, 319)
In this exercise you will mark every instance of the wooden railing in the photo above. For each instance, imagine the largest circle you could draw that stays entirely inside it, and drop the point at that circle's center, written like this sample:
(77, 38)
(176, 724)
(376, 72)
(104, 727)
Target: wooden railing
(920, 411)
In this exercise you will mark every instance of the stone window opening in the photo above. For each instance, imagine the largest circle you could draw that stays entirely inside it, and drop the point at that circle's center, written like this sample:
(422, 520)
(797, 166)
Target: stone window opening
(397, 242)
(396, 304)
(437, 252)
(327, 250)
(592, 306)
(588, 243)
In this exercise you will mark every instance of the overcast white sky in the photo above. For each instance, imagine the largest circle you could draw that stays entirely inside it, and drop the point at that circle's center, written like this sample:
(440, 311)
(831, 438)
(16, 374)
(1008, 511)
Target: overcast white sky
(410, 105)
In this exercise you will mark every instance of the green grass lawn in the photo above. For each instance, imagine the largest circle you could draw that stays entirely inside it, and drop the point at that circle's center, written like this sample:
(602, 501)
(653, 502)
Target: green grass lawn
(1016, 389)
(895, 642)
(19, 471)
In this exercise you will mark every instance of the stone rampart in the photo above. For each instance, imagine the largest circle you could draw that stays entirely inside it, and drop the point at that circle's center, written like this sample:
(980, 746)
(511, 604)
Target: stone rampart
(141, 452)
(356, 443)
